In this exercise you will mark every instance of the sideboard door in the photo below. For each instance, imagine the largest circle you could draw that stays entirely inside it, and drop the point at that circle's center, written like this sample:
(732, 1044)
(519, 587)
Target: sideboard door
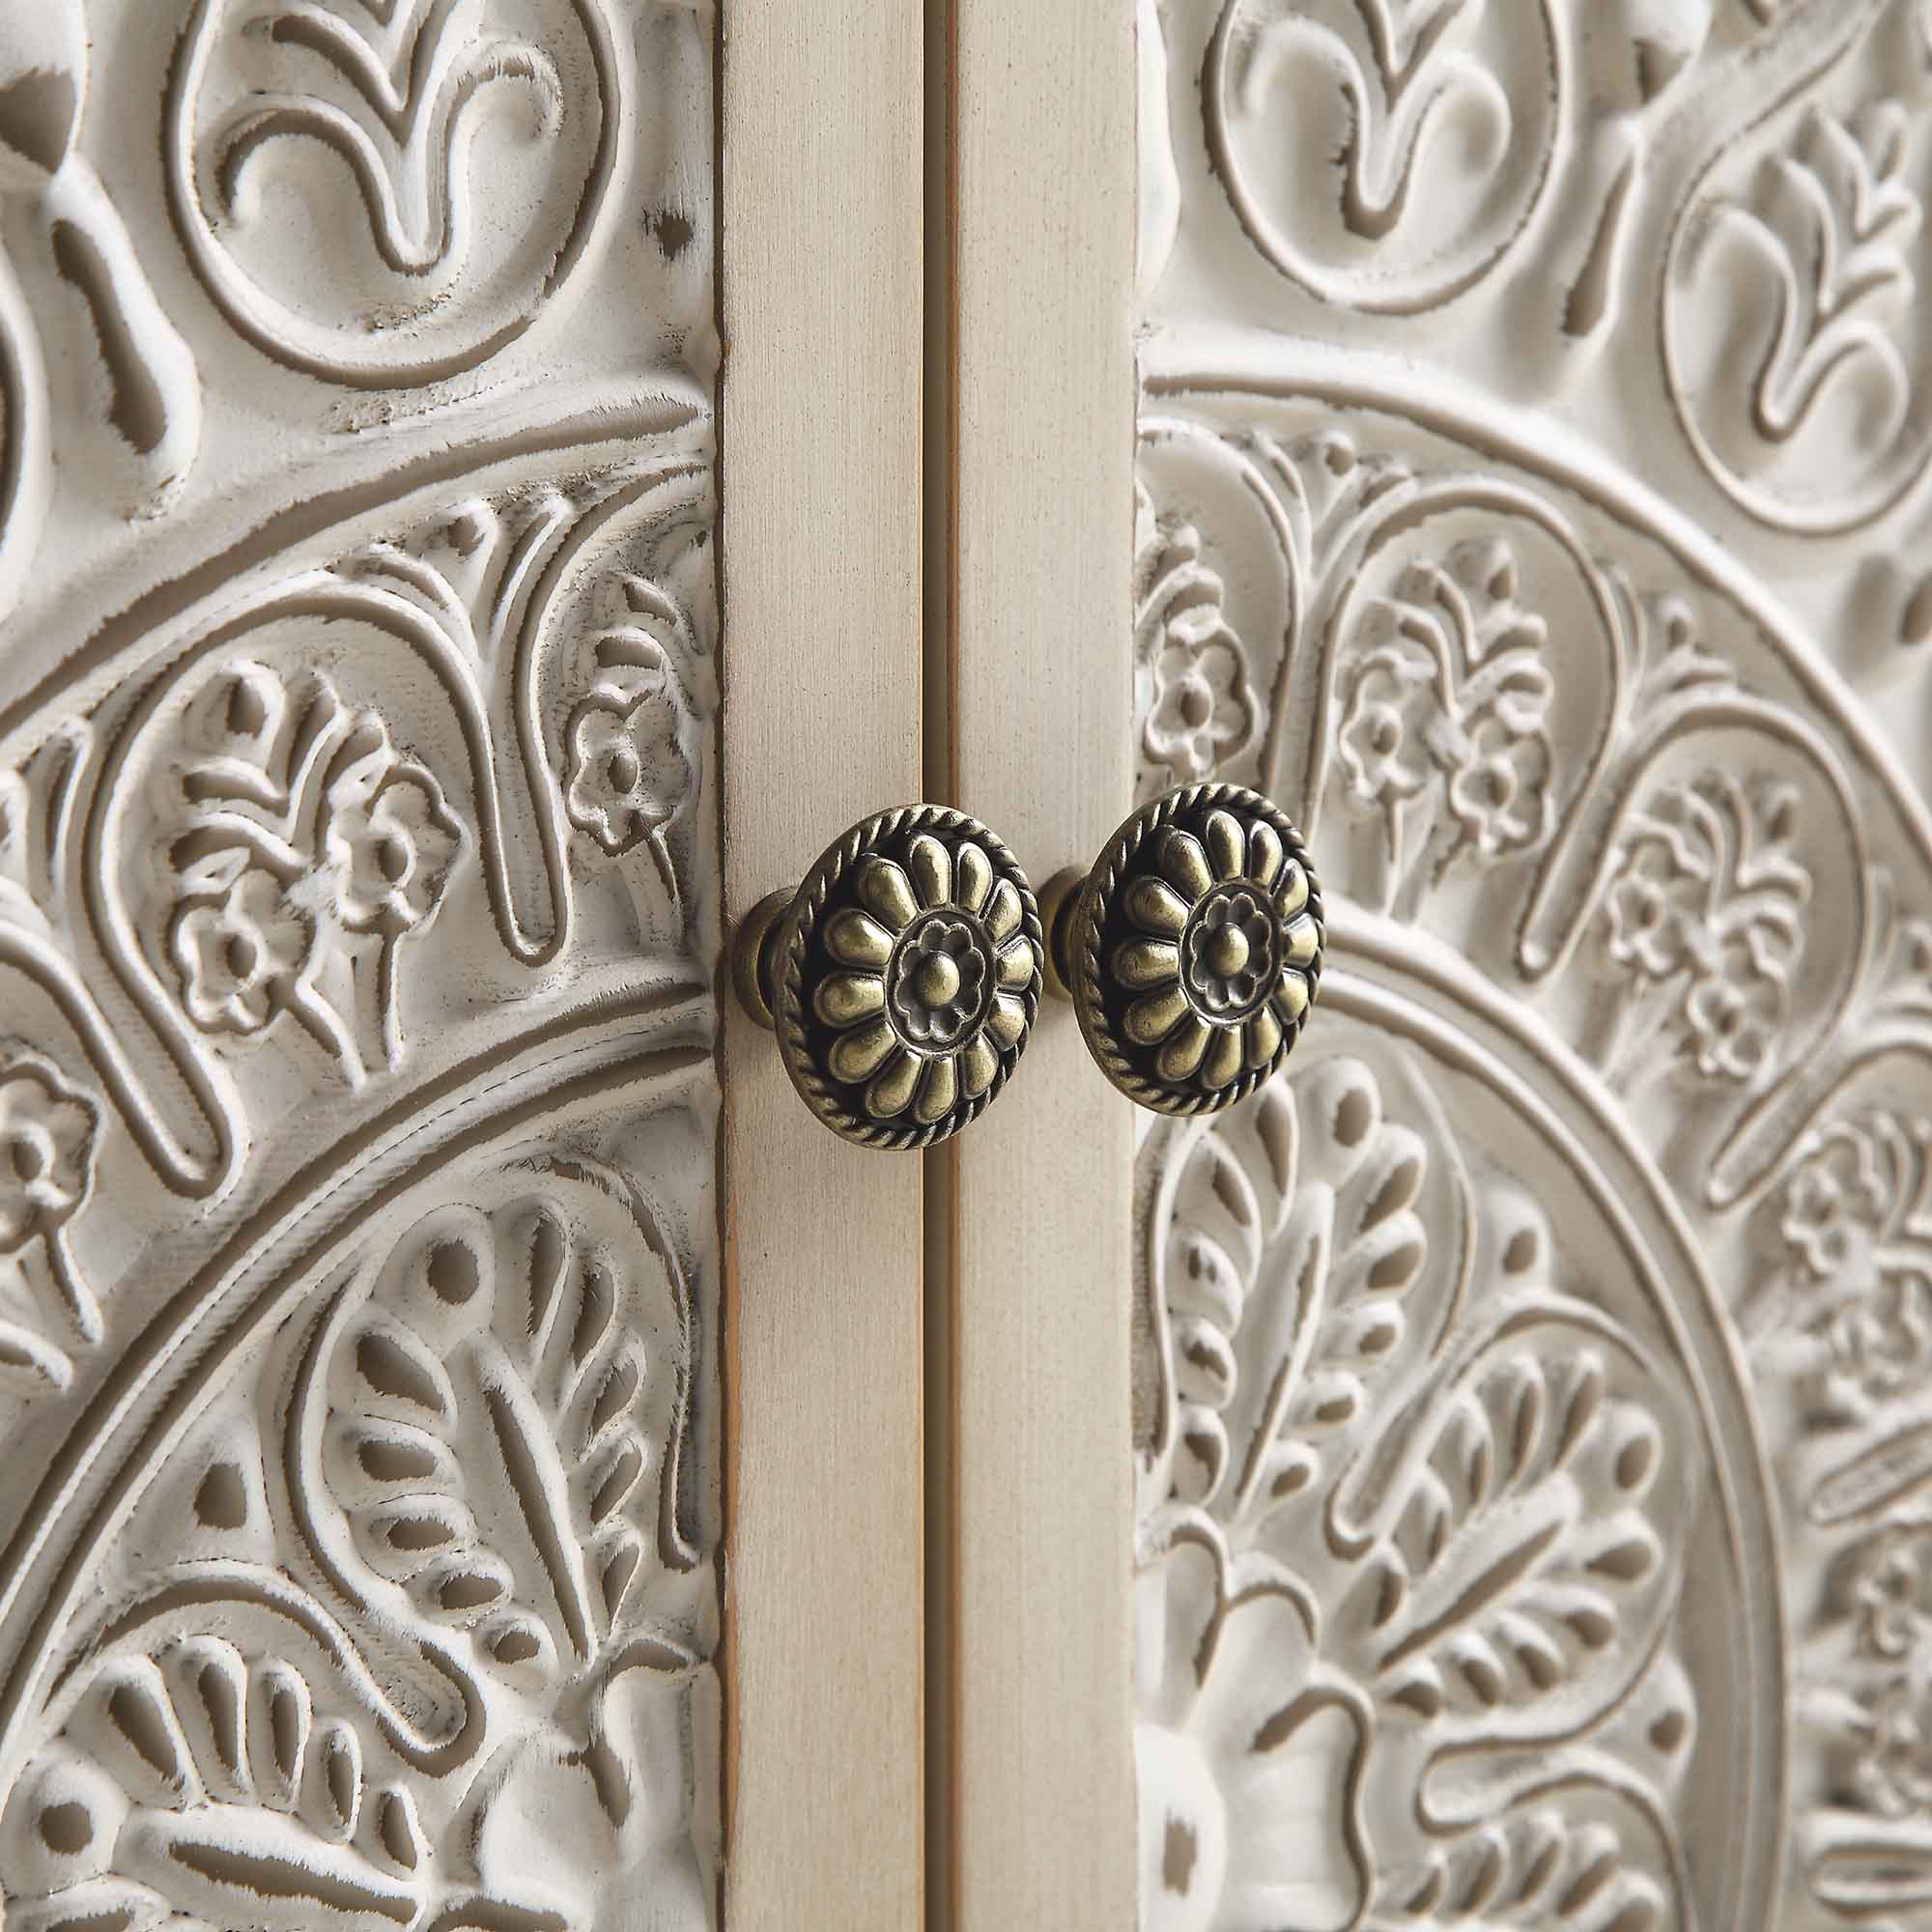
(1532, 1381)
(371, 1358)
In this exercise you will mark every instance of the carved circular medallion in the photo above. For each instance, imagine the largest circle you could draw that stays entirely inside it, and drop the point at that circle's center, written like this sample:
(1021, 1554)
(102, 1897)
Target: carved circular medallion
(1194, 950)
(327, 174)
(907, 974)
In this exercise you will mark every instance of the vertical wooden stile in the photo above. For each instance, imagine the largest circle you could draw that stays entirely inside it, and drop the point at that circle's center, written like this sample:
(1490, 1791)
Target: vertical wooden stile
(821, 294)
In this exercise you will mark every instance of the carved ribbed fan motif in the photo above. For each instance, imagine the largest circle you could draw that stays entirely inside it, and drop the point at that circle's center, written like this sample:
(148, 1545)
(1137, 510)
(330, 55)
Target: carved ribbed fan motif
(1535, 1377)
(358, 885)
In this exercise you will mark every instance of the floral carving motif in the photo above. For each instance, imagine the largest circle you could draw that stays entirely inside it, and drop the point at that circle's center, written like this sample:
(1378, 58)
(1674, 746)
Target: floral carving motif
(239, 952)
(1199, 709)
(212, 1789)
(1798, 388)
(1446, 695)
(1866, 1844)
(399, 142)
(393, 842)
(1705, 912)
(304, 831)
(47, 1151)
(1248, 1757)
(1892, 1592)
(1388, 1523)
(388, 110)
(630, 773)
(532, 1343)
(47, 1133)
(1850, 1311)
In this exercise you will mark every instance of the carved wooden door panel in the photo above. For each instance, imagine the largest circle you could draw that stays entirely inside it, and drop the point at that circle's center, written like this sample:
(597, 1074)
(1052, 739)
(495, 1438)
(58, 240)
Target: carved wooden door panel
(361, 896)
(1533, 1380)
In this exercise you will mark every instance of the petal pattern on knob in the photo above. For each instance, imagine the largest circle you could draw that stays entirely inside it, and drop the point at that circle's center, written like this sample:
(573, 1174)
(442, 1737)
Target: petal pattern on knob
(1195, 948)
(905, 974)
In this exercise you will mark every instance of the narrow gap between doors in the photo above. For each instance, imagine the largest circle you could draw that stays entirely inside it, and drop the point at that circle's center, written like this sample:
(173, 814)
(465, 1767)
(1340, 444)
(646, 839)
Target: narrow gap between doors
(940, 781)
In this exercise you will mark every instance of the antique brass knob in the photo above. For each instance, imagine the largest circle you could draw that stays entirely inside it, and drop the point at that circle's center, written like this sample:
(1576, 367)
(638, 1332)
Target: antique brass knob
(1192, 951)
(901, 976)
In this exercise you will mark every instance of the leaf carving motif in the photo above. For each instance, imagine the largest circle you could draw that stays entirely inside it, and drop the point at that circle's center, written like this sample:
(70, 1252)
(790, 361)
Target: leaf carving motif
(198, 1785)
(484, 1437)
(488, 1439)
(47, 1133)
(1791, 320)
(1408, 1529)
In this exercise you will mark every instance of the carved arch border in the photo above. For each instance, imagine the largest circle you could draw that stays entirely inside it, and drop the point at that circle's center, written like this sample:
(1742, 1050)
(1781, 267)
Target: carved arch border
(1765, 1127)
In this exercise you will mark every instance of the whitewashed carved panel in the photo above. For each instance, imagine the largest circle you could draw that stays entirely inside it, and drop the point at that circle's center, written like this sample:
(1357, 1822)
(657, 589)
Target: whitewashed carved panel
(358, 889)
(1535, 1385)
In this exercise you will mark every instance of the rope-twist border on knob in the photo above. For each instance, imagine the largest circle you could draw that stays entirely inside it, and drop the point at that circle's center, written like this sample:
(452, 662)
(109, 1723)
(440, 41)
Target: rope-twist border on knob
(792, 943)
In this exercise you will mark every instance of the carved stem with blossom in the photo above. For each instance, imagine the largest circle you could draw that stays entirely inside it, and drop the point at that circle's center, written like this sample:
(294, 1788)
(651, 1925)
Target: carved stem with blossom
(305, 834)
(1703, 922)
(629, 772)
(1199, 705)
(1847, 1312)
(1445, 697)
(48, 1131)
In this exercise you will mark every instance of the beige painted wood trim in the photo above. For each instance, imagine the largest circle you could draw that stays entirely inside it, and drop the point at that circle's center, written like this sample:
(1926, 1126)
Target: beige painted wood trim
(821, 280)
(1039, 1825)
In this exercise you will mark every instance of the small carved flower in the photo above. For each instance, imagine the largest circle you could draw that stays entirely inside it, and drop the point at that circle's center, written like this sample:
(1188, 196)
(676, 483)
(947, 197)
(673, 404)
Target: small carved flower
(1835, 1205)
(1225, 943)
(1447, 699)
(1734, 1010)
(1202, 710)
(1892, 1587)
(628, 772)
(1858, 1278)
(1499, 789)
(1706, 897)
(47, 1151)
(1646, 916)
(933, 960)
(237, 953)
(1381, 743)
(392, 850)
